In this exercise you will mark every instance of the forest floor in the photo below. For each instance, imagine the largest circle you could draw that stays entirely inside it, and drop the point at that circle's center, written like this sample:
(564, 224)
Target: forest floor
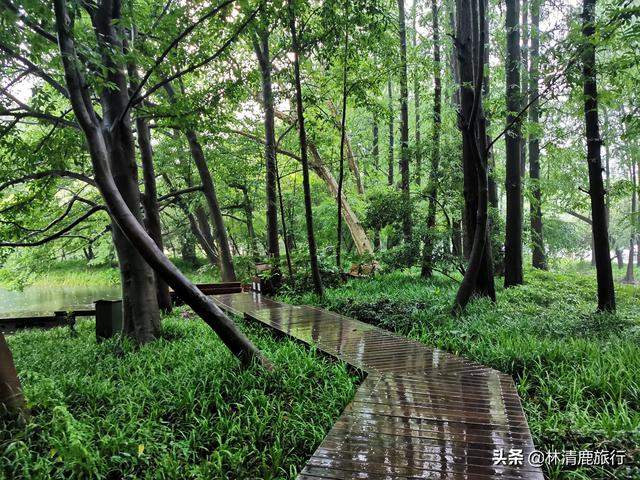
(105, 410)
(576, 371)
(177, 408)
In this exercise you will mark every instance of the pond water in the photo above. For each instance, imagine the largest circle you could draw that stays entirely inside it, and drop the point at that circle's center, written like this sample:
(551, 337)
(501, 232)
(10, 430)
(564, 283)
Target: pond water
(33, 301)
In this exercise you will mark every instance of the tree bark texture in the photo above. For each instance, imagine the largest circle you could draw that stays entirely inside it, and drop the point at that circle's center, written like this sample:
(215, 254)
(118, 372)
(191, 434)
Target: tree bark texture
(604, 275)
(513, 138)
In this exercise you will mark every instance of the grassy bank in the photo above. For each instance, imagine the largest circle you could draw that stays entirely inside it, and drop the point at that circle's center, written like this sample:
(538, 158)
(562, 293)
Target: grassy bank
(177, 408)
(76, 273)
(576, 371)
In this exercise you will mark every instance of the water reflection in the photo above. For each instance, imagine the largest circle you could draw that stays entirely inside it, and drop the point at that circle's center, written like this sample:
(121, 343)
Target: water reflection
(33, 301)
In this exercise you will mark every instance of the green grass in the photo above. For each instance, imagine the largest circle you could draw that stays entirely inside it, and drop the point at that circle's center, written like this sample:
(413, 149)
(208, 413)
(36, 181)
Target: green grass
(177, 408)
(76, 273)
(577, 372)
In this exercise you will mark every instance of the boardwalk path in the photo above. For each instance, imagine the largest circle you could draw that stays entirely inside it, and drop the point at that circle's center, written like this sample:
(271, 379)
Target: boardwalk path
(419, 413)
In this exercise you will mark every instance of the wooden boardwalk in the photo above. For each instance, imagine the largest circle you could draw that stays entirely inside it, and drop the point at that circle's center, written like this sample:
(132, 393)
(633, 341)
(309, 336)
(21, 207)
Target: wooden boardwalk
(419, 413)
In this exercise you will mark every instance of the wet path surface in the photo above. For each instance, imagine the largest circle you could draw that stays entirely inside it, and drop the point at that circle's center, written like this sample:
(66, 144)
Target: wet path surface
(419, 413)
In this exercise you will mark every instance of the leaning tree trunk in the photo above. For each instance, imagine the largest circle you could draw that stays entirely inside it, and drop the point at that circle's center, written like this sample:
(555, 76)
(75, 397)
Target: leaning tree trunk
(538, 257)
(427, 254)
(354, 166)
(313, 254)
(207, 242)
(11, 399)
(404, 123)
(208, 188)
(513, 138)
(261, 48)
(226, 260)
(122, 215)
(199, 225)
(604, 275)
(358, 233)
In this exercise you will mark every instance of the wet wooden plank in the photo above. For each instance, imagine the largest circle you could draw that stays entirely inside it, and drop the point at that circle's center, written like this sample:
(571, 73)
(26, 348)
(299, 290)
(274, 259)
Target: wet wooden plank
(420, 412)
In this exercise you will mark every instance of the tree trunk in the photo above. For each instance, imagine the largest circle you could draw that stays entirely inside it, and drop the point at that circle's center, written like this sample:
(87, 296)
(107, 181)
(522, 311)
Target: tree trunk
(261, 48)
(471, 36)
(150, 197)
(619, 258)
(391, 133)
(208, 188)
(427, 254)
(416, 95)
(358, 233)
(513, 227)
(247, 205)
(606, 293)
(206, 239)
(456, 237)
(11, 399)
(313, 255)
(285, 234)
(375, 147)
(351, 157)
(486, 89)
(199, 227)
(524, 51)
(629, 277)
(538, 257)
(404, 123)
(141, 315)
(343, 135)
(188, 251)
(120, 212)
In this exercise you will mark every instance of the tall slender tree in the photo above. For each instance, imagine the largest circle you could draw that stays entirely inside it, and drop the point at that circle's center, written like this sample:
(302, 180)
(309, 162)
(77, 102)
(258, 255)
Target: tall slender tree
(604, 275)
(150, 196)
(513, 227)
(391, 133)
(313, 254)
(538, 257)
(427, 254)
(629, 277)
(261, 48)
(470, 44)
(404, 121)
(343, 137)
(416, 95)
(524, 78)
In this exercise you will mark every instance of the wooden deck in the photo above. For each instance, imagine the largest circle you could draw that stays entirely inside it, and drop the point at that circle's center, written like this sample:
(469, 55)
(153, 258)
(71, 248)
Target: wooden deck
(419, 413)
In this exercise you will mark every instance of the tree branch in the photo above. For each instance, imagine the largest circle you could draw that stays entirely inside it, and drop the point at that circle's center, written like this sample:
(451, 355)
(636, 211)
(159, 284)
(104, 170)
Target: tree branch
(48, 173)
(58, 234)
(35, 69)
(177, 193)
